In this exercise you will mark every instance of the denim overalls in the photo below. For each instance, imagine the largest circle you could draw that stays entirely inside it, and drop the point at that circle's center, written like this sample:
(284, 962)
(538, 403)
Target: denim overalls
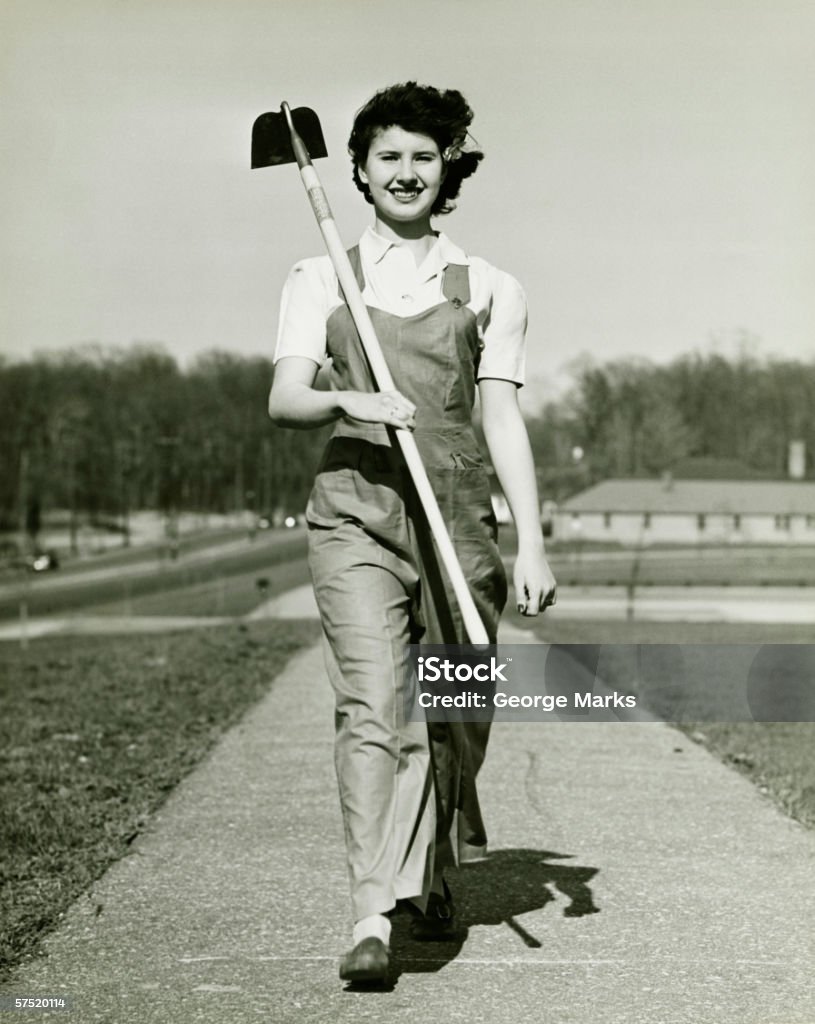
(379, 586)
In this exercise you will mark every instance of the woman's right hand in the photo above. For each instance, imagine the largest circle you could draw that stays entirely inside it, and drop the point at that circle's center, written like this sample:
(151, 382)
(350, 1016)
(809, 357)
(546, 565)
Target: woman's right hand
(388, 407)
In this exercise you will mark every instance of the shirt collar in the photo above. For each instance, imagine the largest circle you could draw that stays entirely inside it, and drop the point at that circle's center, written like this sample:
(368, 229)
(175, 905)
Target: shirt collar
(451, 253)
(374, 247)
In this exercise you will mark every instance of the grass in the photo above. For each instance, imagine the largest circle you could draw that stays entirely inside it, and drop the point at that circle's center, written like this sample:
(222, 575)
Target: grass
(94, 734)
(212, 595)
(775, 756)
(619, 631)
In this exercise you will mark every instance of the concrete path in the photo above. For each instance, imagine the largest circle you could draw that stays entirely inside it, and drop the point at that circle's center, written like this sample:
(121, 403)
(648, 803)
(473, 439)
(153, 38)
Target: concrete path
(651, 604)
(633, 879)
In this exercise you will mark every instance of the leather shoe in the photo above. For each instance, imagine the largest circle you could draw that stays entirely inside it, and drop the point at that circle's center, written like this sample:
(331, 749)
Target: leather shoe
(438, 923)
(367, 961)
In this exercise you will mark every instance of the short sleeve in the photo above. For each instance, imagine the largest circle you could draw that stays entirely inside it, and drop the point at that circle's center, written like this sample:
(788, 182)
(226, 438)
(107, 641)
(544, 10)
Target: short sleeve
(504, 331)
(304, 307)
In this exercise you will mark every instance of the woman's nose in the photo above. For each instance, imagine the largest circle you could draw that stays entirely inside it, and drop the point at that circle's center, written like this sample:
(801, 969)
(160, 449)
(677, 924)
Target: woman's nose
(407, 172)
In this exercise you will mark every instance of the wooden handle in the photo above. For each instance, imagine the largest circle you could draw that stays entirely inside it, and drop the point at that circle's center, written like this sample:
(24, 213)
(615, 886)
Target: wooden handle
(384, 381)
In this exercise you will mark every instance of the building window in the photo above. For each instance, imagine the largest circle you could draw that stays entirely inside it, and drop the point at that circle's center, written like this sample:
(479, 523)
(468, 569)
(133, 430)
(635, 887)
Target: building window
(782, 522)
(701, 521)
(607, 520)
(646, 520)
(737, 522)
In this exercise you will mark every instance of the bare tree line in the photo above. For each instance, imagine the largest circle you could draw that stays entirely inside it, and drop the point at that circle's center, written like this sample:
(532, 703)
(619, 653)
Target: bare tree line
(714, 415)
(97, 433)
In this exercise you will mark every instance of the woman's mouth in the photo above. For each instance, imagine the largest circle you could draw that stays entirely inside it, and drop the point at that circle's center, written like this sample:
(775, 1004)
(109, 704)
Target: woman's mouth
(405, 195)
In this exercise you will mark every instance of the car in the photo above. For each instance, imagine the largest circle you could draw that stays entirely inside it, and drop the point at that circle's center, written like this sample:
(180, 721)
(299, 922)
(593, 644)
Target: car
(43, 562)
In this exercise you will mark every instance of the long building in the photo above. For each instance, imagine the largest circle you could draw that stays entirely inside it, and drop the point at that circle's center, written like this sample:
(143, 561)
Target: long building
(642, 512)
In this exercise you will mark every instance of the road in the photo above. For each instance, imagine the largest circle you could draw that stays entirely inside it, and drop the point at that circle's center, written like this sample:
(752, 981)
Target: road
(88, 585)
(126, 579)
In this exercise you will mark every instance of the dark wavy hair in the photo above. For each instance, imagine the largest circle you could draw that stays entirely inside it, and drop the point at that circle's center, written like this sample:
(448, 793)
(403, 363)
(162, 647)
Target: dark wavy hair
(443, 115)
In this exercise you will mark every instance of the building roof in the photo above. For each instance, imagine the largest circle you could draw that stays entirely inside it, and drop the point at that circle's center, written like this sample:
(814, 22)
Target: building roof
(710, 467)
(745, 497)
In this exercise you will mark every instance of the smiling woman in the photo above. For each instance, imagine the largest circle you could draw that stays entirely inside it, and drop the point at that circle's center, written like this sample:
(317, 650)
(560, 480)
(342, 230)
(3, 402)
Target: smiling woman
(439, 119)
(404, 173)
(446, 323)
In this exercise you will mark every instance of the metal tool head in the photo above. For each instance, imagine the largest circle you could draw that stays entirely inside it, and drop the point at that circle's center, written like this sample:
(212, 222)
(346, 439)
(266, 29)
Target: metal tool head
(272, 140)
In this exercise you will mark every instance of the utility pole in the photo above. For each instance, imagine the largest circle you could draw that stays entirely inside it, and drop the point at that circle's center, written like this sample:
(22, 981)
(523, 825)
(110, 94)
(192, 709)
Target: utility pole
(266, 478)
(71, 436)
(124, 465)
(207, 468)
(168, 470)
(22, 499)
(239, 495)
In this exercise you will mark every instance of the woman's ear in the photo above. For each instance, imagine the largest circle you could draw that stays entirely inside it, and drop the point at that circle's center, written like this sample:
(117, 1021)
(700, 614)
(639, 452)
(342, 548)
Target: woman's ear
(363, 177)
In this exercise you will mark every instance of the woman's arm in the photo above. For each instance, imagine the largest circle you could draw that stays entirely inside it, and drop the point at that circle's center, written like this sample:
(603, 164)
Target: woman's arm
(298, 399)
(511, 454)
(294, 401)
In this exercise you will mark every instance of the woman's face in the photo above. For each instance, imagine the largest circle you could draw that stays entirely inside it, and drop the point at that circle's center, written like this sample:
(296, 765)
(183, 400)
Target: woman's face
(404, 172)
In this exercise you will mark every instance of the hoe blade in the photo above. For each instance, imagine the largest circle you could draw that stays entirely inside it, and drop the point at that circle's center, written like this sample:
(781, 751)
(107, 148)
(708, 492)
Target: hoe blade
(271, 139)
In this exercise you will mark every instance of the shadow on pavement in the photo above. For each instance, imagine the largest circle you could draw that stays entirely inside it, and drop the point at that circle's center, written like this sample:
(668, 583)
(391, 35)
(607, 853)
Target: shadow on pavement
(496, 891)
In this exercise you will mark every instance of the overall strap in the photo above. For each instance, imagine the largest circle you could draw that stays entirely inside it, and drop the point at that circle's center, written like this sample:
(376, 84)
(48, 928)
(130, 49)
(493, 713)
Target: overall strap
(456, 284)
(356, 265)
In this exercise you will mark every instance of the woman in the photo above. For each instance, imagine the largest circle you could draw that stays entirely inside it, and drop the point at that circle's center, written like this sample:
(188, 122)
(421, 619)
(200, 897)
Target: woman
(446, 322)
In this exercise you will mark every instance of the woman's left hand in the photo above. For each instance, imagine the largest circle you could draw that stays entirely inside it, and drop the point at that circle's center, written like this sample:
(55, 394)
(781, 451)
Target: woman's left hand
(535, 584)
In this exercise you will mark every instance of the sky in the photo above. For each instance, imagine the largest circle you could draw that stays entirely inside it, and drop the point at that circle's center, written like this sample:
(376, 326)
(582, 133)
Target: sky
(649, 173)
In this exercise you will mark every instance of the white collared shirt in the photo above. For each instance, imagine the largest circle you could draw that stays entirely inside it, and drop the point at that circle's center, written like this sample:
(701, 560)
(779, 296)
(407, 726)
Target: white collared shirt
(394, 284)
